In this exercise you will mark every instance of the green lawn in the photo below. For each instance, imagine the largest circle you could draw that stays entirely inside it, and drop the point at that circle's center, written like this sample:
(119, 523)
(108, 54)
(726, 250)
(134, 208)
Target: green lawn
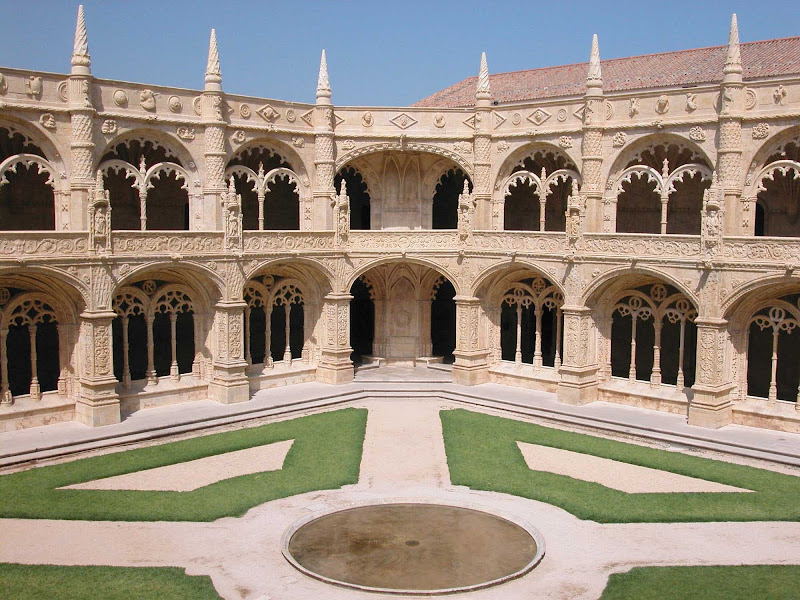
(50, 582)
(326, 454)
(482, 454)
(772, 582)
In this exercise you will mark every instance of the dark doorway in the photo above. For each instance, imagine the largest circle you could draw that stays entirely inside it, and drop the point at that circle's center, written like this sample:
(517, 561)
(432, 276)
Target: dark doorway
(443, 321)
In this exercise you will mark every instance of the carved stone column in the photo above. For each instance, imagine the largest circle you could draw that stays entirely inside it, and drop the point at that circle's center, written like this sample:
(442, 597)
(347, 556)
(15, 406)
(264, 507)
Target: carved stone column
(324, 160)
(335, 365)
(471, 354)
(482, 149)
(213, 119)
(592, 188)
(81, 119)
(711, 404)
(578, 383)
(425, 343)
(98, 402)
(229, 382)
(729, 150)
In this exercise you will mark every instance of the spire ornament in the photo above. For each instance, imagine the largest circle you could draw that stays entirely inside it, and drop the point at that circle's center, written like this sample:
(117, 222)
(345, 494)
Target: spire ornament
(213, 72)
(81, 61)
(323, 83)
(733, 62)
(483, 90)
(594, 78)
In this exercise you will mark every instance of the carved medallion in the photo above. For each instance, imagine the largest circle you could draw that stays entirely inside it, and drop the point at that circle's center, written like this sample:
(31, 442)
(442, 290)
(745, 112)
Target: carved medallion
(175, 104)
(403, 121)
(539, 116)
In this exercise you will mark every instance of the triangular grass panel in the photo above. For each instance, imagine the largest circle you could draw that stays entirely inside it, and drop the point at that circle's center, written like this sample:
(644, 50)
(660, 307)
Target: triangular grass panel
(326, 454)
(482, 453)
(772, 582)
(51, 582)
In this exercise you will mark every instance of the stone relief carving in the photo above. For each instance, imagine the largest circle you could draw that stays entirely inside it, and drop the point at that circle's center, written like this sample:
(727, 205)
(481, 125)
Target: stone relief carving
(291, 116)
(48, 121)
(403, 121)
(779, 95)
(109, 127)
(367, 120)
(516, 118)
(502, 146)
(33, 87)
(186, 133)
(561, 115)
(175, 105)
(298, 142)
(3, 84)
(439, 120)
(662, 104)
(761, 131)
(539, 116)
(147, 100)
(565, 141)
(633, 107)
(619, 139)
(269, 114)
(750, 99)
(691, 102)
(244, 111)
(238, 136)
(697, 134)
(120, 98)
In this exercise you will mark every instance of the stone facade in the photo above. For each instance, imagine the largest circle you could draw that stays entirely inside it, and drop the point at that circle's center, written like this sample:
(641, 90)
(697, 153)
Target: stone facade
(203, 244)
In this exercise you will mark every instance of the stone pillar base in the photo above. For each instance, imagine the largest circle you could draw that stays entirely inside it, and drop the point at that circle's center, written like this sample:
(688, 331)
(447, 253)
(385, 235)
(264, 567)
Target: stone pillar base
(229, 392)
(99, 413)
(577, 386)
(711, 406)
(471, 368)
(335, 374)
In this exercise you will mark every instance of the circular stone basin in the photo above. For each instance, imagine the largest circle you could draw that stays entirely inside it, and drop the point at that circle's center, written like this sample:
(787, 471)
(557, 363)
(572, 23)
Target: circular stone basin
(413, 548)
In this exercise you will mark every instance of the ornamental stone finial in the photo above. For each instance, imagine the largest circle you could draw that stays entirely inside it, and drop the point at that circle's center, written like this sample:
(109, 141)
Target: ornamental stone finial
(213, 72)
(733, 62)
(81, 64)
(483, 91)
(323, 83)
(594, 78)
(343, 188)
(232, 187)
(98, 184)
(466, 187)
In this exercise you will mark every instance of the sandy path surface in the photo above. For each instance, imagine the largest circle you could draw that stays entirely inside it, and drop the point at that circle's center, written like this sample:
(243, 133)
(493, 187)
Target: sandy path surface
(617, 475)
(194, 474)
(403, 461)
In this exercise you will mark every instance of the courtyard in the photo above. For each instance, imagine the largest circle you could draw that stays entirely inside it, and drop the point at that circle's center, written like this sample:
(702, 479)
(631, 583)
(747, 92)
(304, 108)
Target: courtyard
(628, 503)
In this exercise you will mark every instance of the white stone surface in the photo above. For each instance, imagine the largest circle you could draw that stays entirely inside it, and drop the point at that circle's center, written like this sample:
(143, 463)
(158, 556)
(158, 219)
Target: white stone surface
(625, 477)
(194, 474)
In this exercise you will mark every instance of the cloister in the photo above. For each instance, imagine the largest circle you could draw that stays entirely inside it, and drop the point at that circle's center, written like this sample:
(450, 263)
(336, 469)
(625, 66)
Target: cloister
(631, 244)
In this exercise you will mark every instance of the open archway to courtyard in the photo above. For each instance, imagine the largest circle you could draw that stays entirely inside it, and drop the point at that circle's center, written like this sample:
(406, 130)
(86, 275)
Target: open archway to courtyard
(402, 312)
(27, 184)
(399, 190)
(776, 192)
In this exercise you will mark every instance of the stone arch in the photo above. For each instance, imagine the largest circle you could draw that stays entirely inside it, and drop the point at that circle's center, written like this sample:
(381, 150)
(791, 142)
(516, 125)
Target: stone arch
(764, 339)
(320, 273)
(362, 269)
(207, 284)
(513, 266)
(646, 328)
(599, 284)
(628, 152)
(48, 279)
(276, 146)
(404, 145)
(50, 145)
(171, 143)
(513, 161)
(358, 192)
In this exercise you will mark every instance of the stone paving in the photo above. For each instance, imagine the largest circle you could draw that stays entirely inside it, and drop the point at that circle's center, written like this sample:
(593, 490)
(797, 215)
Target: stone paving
(404, 460)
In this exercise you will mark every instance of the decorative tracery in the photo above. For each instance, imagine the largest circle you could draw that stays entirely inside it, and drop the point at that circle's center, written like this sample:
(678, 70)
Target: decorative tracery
(652, 305)
(538, 296)
(773, 344)
(673, 174)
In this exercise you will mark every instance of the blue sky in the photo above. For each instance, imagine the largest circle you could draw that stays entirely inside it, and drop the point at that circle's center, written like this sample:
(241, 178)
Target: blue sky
(379, 53)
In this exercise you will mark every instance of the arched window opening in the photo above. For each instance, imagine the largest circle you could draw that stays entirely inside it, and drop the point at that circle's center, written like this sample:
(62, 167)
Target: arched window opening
(445, 200)
(443, 320)
(173, 333)
(531, 323)
(779, 200)
(30, 356)
(536, 193)
(639, 206)
(358, 194)
(256, 320)
(362, 318)
(661, 191)
(269, 189)
(147, 186)
(129, 331)
(773, 346)
(27, 195)
(653, 336)
(287, 323)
